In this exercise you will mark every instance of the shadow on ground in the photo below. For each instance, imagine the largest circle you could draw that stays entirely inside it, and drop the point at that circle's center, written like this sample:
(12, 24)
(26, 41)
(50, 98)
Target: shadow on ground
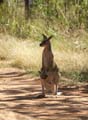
(18, 92)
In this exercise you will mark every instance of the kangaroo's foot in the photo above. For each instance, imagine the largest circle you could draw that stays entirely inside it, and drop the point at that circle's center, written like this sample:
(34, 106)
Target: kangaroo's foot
(40, 96)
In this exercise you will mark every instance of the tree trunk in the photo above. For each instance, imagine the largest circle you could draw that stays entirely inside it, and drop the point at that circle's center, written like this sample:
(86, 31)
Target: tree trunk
(1, 1)
(26, 9)
(65, 7)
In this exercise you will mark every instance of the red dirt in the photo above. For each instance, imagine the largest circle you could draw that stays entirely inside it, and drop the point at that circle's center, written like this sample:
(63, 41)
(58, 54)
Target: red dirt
(18, 102)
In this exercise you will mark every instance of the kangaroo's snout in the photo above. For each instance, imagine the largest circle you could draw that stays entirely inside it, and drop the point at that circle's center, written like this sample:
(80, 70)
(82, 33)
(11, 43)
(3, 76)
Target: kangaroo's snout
(40, 45)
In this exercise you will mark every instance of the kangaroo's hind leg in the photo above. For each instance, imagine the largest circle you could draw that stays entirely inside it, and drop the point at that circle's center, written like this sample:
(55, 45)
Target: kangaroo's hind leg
(42, 95)
(55, 89)
(56, 83)
(43, 88)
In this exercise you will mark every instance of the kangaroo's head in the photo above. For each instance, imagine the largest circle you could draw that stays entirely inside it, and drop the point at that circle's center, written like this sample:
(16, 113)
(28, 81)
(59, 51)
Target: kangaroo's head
(46, 41)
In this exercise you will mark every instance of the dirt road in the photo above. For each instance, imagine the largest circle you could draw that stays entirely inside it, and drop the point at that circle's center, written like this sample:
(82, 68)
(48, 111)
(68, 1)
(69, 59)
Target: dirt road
(18, 102)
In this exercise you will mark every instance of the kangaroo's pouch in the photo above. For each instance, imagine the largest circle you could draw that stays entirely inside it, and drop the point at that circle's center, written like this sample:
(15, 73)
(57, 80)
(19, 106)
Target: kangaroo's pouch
(51, 80)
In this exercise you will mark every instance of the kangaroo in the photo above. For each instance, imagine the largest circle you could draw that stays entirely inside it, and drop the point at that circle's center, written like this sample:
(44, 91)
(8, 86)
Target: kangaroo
(49, 70)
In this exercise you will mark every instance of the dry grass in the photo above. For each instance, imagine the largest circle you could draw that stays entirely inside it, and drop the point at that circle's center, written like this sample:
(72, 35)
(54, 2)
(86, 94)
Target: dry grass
(27, 55)
(69, 61)
(19, 53)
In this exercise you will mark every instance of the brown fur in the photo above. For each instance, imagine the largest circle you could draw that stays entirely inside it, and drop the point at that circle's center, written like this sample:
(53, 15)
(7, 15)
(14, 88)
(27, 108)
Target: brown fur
(49, 71)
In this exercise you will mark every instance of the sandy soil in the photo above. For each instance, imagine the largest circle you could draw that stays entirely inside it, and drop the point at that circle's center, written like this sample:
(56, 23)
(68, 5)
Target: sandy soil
(18, 100)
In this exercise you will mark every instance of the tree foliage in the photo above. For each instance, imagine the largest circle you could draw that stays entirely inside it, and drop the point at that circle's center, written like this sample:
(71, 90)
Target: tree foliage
(71, 14)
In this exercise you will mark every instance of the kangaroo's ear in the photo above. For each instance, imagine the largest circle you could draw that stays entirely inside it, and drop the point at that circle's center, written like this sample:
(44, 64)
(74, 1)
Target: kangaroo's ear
(50, 37)
(44, 36)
